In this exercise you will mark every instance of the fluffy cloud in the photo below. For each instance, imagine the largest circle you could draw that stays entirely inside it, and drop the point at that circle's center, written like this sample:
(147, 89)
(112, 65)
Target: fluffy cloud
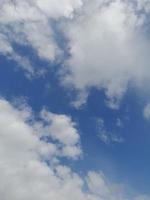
(23, 172)
(24, 152)
(107, 41)
(109, 47)
(29, 23)
(99, 185)
(25, 133)
(61, 129)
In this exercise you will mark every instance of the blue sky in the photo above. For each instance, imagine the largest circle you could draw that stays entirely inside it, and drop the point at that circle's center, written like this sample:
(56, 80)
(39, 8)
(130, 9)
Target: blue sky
(127, 162)
(98, 83)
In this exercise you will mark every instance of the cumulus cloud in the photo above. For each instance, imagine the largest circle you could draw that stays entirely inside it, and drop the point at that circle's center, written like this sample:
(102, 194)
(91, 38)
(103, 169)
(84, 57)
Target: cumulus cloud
(108, 47)
(28, 23)
(59, 128)
(107, 41)
(30, 162)
(23, 172)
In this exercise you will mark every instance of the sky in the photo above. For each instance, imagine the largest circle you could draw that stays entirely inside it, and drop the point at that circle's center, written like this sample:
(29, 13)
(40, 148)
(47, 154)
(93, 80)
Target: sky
(74, 99)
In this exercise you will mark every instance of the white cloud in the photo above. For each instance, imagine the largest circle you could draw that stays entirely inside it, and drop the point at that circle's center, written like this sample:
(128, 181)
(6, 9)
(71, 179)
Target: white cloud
(23, 173)
(56, 9)
(99, 185)
(108, 47)
(107, 41)
(16, 132)
(5, 47)
(146, 111)
(29, 23)
(61, 129)
(106, 136)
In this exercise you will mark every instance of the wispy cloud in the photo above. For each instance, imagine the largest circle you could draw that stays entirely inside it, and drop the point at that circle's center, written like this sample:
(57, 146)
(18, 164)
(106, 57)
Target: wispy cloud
(106, 136)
